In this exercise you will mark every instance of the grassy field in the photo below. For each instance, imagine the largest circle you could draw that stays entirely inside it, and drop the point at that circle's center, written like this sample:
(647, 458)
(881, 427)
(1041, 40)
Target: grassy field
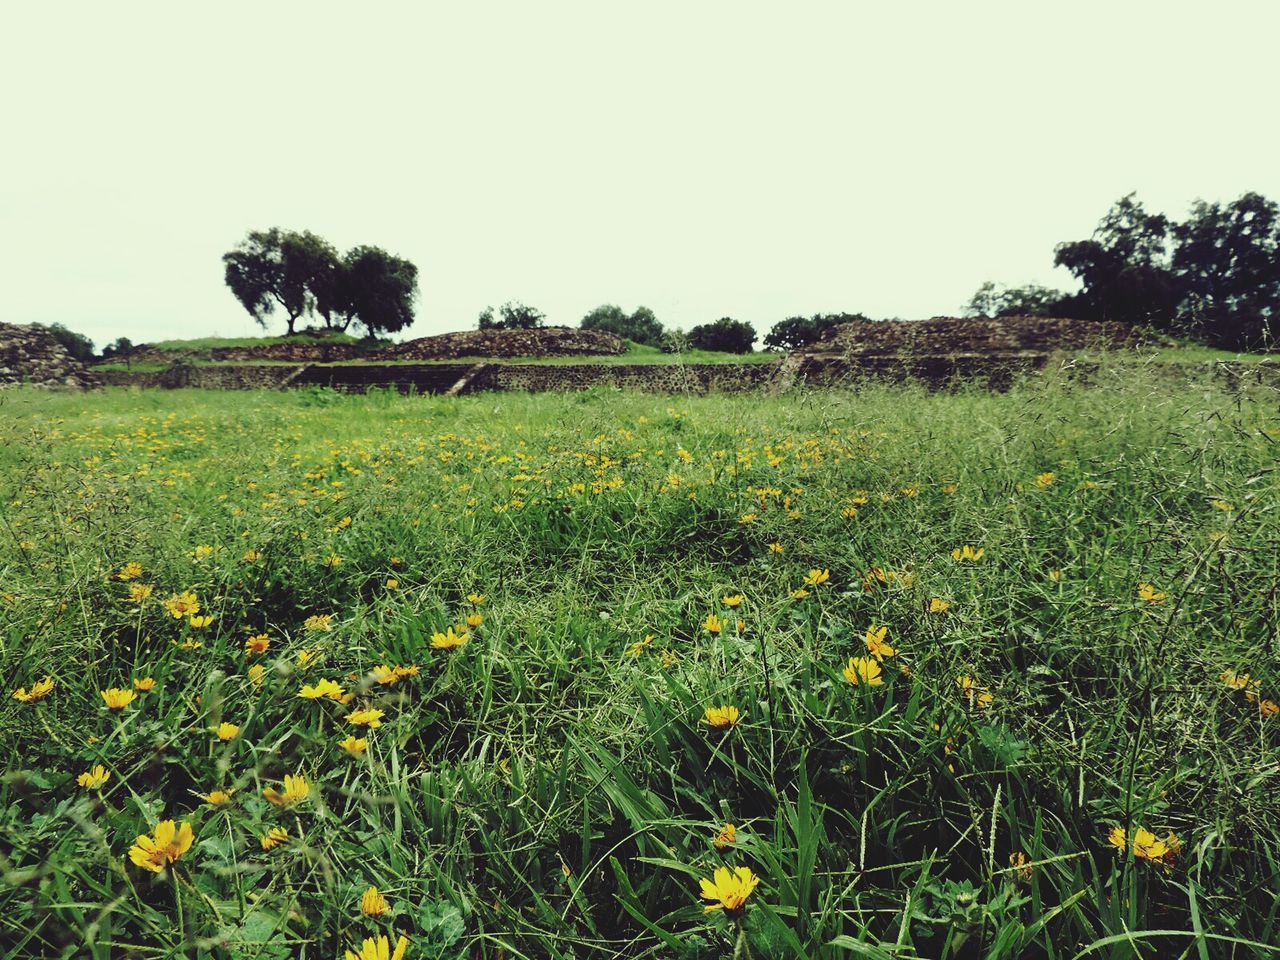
(878, 674)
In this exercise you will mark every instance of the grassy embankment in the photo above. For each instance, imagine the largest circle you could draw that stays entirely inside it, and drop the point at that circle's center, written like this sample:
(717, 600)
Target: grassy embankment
(552, 787)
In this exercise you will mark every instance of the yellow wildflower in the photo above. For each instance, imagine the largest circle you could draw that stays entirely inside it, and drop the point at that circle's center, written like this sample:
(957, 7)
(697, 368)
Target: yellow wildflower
(968, 554)
(199, 623)
(1226, 506)
(392, 583)
(475, 620)
(318, 622)
(727, 836)
(379, 949)
(721, 718)
(251, 556)
(876, 644)
(324, 688)
(475, 598)
(255, 673)
(373, 903)
(165, 846)
(39, 690)
(639, 647)
(799, 593)
(863, 670)
(130, 571)
(94, 778)
(140, 591)
(449, 640)
(354, 745)
(274, 837)
(1045, 479)
(1150, 594)
(218, 798)
(144, 684)
(815, 577)
(296, 789)
(728, 890)
(712, 624)
(776, 548)
(938, 605)
(182, 605)
(226, 731)
(366, 718)
(258, 643)
(977, 696)
(117, 699)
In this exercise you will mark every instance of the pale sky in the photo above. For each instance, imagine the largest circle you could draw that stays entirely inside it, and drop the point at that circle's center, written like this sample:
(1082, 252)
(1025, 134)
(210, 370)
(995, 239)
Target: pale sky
(705, 159)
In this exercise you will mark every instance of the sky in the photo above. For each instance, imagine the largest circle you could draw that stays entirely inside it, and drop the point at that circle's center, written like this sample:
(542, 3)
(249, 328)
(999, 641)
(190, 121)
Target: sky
(705, 159)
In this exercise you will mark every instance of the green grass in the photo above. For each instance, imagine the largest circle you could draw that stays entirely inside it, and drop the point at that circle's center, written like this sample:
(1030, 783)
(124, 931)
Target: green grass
(541, 792)
(210, 343)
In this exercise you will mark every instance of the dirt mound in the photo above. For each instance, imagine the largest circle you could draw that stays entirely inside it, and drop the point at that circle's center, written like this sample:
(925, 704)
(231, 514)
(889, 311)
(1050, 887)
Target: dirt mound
(954, 335)
(291, 351)
(544, 342)
(32, 355)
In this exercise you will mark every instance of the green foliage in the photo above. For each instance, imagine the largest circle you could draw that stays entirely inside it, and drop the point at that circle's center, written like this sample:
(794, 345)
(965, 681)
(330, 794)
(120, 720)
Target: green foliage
(512, 315)
(376, 290)
(794, 333)
(1031, 300)
(77, 344)
(549, 789)
(642, 326)
(725, 335)
(117, 348)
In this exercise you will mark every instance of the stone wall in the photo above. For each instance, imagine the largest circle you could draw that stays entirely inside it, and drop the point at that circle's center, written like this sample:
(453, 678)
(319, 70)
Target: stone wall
(543, 342)
(955, 335)
(30, 354)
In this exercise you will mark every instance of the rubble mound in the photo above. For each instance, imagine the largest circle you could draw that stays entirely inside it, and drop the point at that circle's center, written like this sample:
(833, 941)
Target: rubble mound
(958, 336)
(290, 351)
(542, 342)
(30, 354)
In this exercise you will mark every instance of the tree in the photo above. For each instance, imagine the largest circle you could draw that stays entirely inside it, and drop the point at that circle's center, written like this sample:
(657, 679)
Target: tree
(642, 326)
(794, 333)
(120, 347)
(1227, 263)
(77, 344)
(512, 316)
(374, 289)
(1124, 268)
(726, 335)
(1031, 300)
(281, 268)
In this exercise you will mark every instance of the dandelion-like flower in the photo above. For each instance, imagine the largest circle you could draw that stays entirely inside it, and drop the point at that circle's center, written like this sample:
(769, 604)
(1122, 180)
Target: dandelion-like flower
(144, 684)
(1150, 594)
(450, 639)
(320, 690)
(815, 577)
(39, 690)
(876, 645)
(370, 718)
(379, 949)
(226, 731)
(296, 789)
(155, 851)
(938, 605)
(257, 644)
(721, 718)
(726, 837)
(967, 554)
(864, 671)
(116, 698)
(355, 746)
(977, 696)
(728, 890)
(130, 571)
(182, 605)
(94, 778)
(373, 903)
(274, 838)
(218, 798)
(712, 624)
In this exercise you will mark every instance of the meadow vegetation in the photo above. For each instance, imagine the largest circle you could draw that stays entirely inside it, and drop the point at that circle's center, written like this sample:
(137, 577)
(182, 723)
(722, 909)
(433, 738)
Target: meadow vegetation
(875, 674)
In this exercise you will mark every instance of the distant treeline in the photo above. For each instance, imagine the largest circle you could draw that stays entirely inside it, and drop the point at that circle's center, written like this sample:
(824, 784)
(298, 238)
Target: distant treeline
(1212, 277)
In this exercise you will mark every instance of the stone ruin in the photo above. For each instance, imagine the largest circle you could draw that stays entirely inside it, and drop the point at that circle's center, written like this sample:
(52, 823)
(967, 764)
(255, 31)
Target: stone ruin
(957, 336)
(30, 354)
